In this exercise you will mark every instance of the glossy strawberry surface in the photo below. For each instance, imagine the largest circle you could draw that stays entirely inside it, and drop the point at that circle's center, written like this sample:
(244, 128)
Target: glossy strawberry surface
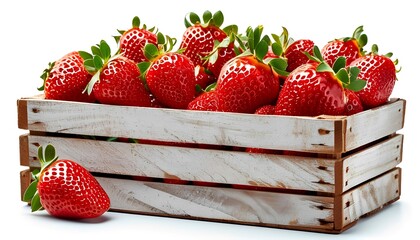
(245, 84)
(132, 43)
(380, 75)
(120, 84)
(171, 79)
(307, 92)
(353, 103)
(67, 79)
(340, 48)
(295, 53)
(207, 101)
(67, 190)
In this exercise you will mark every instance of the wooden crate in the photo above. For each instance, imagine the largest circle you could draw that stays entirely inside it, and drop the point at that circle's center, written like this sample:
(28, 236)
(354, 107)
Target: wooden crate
(334, 170)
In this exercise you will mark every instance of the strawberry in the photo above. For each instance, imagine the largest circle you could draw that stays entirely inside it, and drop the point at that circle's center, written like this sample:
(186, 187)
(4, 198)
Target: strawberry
(132, 41)
(170, 76)
(349, 47)
(207, 101)
(116, 80)
(199, 38)
(353, 103)
(66, 79)
(65, 189)
(380, 74)
(315, 88)
(266, 110)
(203, 77)
(295, 53)
(246, 82)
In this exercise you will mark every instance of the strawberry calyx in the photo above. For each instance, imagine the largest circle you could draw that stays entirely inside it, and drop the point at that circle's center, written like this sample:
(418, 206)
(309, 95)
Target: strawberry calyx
(95, 62)
(165, 44)
(46, 156)
(256, 44)
(347, 76)
(375, 51)
(359, 37)
(45, 74)
(135, 23)
(208, 19)
(281, 42)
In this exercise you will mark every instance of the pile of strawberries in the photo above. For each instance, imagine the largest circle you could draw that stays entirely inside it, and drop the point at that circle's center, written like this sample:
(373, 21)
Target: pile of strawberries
(218, 69)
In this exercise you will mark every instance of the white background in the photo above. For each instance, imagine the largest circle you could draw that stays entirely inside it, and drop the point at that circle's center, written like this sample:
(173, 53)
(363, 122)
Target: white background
(34, 33)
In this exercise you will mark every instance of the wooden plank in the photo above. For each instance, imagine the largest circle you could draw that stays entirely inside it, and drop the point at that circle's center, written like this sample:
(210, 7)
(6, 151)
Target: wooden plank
(231, 167)
(372, 162)
(22, 114)
(220, 204)
(25, 180)
(371, 196)
(24, 150)
(374, 124)
(232, 129)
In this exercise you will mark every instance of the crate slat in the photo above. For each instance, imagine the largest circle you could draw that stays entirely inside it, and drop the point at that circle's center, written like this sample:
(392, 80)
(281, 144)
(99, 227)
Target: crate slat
(169, 162)
(371, 162)
(374, 124)
(371, 196)
(220, 204)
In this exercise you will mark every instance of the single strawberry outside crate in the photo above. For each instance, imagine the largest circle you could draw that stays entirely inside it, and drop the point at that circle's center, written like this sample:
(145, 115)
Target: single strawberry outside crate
(331, 172)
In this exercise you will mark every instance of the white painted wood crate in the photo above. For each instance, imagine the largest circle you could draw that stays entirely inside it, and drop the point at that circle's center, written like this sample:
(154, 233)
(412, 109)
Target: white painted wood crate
(348, 168)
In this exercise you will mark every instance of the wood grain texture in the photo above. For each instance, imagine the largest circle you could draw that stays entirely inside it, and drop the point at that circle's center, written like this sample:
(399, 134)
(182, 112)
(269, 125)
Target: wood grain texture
(232, 129)
(372, 161)
(264, 170)
(220, 204)
(374, 124)
(371, 196)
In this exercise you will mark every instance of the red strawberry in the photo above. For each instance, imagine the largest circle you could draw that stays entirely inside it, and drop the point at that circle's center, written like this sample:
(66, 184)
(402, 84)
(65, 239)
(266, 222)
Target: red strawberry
(65, 189)
(199, 38)
(247, 82)
(170, 76)
(380, 74)
(314, 89)
(350, 48)
(207, 101)
(203, 77)
(116, 80)
(295, 53)
(266, 110)
(353, 103)
(132, 41)
(66, 79)
(224, 54)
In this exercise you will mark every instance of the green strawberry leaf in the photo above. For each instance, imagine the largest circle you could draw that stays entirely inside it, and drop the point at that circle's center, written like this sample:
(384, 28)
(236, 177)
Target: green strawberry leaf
(150, 51)
(136, 22)
(36, 203)
(277, 49)
(194, 18)
(97, 62)
(362, 40)
(85, 55)
(30, 191)
(279, 65)
(207, 16)
(317, 53)
(143, 67)
(105, 50)
(339, 63)
(49, 153)
(324, 67)
(95, 50)
(231, 29)
(218, 18)
(354, 73)
(161, 38)
(261, 50)
(356, 85)
(343, 75)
